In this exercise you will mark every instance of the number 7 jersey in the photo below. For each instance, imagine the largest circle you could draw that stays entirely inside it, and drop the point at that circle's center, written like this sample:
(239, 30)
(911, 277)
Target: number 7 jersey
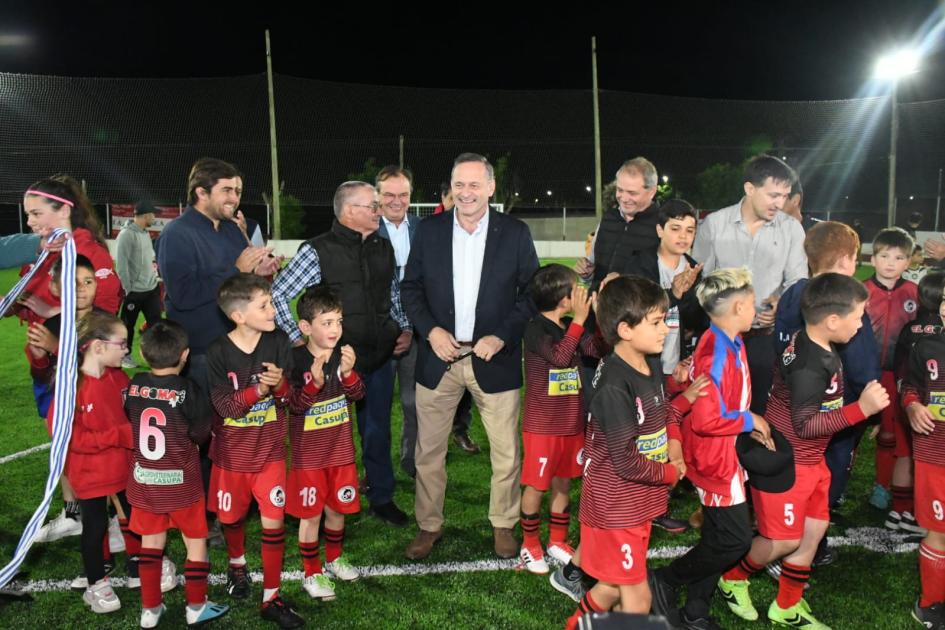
(169, 417)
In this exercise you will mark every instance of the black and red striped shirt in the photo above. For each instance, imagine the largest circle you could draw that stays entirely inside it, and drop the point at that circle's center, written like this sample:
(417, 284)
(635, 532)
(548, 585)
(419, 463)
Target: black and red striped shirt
(925, 383)
(806, 399)
(169, 417)
(627, 471)
(249, 431)
(320, 419)
(553, 404)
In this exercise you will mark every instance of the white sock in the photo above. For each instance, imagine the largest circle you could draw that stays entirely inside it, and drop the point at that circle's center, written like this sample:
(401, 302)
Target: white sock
(269, 593)
(238, 562)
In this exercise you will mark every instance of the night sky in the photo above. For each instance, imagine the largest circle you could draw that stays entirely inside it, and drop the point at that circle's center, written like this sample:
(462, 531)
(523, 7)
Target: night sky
(745, 50)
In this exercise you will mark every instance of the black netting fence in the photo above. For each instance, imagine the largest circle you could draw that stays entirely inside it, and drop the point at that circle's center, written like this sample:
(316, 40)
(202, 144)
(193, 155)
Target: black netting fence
(128, 138)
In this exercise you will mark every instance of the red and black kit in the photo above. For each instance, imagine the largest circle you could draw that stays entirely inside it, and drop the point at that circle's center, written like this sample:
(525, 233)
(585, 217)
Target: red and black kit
(924, 382)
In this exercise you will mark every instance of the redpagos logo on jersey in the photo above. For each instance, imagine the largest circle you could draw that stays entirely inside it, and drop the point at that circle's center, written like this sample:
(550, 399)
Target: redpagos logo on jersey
(277, 496)
(347, 494)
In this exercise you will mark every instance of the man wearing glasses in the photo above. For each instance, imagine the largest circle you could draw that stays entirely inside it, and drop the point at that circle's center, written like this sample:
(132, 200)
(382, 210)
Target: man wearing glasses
(360, 267)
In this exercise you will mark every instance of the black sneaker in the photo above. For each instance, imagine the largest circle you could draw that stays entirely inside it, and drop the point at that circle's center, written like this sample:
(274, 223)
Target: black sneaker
(390, 513)
(238, 582)
(930, 617)
(700, 623)
(824, 557)
(670, 524)
(665, 599)
(281, 612)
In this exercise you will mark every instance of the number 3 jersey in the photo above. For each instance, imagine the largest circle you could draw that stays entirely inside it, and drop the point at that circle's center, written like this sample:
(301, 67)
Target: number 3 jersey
(320, 419)
(169, 417)
(806, 399)
(627, 470)
(249, 430)
(925, 383)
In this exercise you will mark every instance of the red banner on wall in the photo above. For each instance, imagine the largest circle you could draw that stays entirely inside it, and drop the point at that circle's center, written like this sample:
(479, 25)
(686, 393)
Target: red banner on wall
(123, 213)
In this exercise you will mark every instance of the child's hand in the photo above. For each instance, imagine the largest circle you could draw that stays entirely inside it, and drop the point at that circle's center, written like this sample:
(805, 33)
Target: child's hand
(684, 281)
(347, 360)
(874, 398)
(694, 390)
(39, 336)
(676, 458)
(681, 371)
(318, 370)
(921, 418)
(270, 378)
(762, 432)
(38, 306)
(580, 304)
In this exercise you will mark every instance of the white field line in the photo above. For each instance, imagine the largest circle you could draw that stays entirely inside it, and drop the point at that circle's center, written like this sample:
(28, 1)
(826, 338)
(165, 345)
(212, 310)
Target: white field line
(868, 538)
(35, 449)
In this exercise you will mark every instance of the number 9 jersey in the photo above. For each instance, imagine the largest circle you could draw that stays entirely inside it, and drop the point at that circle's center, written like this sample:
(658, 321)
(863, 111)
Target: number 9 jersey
(169, 418)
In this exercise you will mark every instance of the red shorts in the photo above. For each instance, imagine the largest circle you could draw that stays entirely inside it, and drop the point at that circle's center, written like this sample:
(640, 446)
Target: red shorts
(231, 492)
(548, 456)
(781, 516)
(615, 556)
(191, 520)
(893, 419)
(930, 496)
(311, 489)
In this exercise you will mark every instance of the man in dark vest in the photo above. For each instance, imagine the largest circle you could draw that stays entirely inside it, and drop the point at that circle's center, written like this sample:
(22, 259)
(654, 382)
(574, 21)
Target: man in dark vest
(628, 229)
(360, 267)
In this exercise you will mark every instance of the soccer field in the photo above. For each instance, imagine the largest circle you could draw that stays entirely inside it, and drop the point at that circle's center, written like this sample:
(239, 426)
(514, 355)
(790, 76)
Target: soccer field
(864, 589)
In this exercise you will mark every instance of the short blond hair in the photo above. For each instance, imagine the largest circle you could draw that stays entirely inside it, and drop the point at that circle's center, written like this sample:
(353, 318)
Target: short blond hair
(717, 287)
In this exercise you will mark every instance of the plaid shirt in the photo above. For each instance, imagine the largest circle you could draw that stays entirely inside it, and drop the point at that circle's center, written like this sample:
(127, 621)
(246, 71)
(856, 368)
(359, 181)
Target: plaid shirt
(305, 271)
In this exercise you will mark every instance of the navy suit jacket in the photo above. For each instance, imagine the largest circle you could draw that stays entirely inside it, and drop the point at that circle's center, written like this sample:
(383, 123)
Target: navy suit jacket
(502, 308)
(412, 222)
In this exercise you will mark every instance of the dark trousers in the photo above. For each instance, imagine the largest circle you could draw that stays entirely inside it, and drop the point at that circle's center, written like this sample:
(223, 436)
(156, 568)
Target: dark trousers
(197, 372)
(839, 455)
(94, 525)
(761, 358)
(147, 302)
(374, 428)
(726, 538)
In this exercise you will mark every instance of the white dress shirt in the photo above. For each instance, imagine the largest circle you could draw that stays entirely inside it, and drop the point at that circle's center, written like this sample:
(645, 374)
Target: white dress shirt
(400, 240)
(468, 253)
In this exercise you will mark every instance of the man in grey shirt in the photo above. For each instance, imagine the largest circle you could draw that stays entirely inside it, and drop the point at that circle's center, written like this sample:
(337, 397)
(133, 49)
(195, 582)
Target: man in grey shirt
(134, 263)
(754, 233)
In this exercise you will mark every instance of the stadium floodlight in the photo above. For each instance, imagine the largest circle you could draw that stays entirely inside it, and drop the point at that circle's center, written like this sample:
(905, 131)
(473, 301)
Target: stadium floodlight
(897, 64)
(549, 193)
(665, 179)
(587, 188)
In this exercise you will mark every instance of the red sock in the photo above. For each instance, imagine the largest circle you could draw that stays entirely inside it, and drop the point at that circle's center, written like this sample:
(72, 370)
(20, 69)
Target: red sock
(273, 549)
(149, 570)
(885, 459)
(902, 499)
(334, 538)
(311, 560)
(791, 584)
(195, 581)
(530, 523)
(235, 536)
(132, 540)
(931, 575)
(558, 530)
(743, 570)
(586, 605)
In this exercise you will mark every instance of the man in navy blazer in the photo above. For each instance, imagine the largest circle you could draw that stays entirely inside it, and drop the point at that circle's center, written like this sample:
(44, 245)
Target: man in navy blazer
(465, 292)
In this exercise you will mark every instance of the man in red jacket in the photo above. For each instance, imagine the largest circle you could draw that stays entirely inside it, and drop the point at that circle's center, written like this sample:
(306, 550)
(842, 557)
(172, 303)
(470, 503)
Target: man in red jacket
(709, 434)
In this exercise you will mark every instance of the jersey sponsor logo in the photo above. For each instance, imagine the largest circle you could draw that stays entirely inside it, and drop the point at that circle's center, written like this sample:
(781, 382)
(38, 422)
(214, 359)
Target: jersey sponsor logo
(151, 477)
(654, 446)
(277, 496)
(347, 494)
(566, 382)
(788, 357)
(641, 417)
(831, 405)
(171, 396)
(937, 405)
(263, 412)
(102, 273)
(579, 458)
(327, 413)
(909, 306)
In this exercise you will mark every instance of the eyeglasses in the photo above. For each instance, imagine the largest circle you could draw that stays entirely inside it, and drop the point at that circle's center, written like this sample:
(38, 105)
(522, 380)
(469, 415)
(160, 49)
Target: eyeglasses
(123, 344)
(373, 207)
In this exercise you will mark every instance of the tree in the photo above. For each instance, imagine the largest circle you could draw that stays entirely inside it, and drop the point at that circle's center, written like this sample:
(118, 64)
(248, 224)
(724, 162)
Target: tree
(291, 210)
(368, 172)
(718, 186)
(505, 183)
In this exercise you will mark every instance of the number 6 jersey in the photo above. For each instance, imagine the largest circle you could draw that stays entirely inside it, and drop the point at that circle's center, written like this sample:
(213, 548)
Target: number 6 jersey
(169, 417)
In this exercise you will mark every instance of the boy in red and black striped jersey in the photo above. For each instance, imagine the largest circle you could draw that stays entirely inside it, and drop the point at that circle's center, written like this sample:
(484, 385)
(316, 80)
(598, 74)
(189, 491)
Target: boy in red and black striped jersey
(632, 447)
(806, 406)
(553, 424)
(169, 418)
(249, 392)
(923, 397)
(323, 476)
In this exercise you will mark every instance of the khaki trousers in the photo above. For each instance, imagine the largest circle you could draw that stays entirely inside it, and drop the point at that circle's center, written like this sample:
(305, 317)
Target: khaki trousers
(435, 411)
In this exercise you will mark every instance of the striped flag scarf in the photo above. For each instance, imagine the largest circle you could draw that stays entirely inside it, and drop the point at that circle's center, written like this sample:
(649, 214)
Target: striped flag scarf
(64, 394)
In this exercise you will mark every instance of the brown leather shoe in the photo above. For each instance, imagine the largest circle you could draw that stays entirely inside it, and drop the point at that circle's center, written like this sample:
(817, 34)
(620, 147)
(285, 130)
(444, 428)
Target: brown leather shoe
(422, 545)
(505, 544)
(463, 441)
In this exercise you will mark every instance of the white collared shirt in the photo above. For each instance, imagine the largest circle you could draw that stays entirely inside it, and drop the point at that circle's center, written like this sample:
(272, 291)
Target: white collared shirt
(468, 253)
(400, 240)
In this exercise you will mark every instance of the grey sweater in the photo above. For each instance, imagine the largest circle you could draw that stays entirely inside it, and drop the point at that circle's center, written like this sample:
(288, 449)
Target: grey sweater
(134, 260)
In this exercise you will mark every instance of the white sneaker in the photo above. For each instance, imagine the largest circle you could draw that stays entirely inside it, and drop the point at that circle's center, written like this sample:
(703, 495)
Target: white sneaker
(534, 560)
(149, 618)
(101, 598)
(129, 364)
(318, 586)
(560, 552)
(59, 527)
(342, 569)
(79, 584)
(168, 575)
(116, 542)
